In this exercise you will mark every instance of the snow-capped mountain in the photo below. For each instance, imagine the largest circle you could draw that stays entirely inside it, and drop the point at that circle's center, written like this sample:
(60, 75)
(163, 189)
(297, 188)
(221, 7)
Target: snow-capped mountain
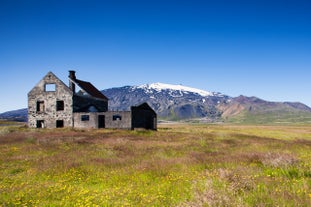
(176, 102)
(150, 88)
(169, 101)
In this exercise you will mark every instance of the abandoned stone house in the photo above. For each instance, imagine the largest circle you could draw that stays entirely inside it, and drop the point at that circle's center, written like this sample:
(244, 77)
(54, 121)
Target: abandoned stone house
(52, 104)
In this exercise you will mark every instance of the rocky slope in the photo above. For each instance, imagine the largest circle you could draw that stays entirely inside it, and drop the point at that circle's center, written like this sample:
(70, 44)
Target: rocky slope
(244, 109)
(172, 102)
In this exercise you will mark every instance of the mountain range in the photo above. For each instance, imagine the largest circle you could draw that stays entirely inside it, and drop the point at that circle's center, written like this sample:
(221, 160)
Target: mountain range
(178, 102)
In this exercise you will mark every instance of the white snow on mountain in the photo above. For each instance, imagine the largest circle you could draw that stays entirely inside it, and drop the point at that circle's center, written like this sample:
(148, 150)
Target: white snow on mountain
(163, 86)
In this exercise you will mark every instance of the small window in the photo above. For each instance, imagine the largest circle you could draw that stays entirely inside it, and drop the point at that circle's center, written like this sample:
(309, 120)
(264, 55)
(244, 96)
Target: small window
(59, 123)
(59, 105)
(40, 106)
(50, 87)
(40, 124)
(85, 117)
(116, 117)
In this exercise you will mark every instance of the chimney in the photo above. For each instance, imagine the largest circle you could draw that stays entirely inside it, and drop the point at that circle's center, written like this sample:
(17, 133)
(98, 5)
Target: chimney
(72, 78)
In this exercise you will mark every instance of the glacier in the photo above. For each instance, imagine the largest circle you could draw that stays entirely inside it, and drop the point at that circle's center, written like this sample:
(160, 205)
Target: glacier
(164, 86)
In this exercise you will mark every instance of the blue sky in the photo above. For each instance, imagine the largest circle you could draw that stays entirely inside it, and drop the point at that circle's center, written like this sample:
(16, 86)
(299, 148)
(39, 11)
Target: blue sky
(255, 48)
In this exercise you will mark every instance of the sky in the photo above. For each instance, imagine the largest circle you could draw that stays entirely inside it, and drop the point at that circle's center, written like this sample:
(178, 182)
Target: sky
(236, 47)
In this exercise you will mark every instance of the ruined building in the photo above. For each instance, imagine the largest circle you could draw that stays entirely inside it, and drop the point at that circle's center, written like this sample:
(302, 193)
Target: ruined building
(52, 104)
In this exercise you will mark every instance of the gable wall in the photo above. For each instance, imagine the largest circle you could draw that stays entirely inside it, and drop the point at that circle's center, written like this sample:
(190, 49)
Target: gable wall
(50, 115)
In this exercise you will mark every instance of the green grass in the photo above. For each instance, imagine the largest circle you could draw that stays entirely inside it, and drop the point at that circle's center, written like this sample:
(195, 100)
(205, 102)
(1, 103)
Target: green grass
(271, 117)
(179, 165)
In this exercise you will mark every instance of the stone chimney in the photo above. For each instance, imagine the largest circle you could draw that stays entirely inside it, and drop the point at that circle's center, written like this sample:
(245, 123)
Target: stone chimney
(72, 78)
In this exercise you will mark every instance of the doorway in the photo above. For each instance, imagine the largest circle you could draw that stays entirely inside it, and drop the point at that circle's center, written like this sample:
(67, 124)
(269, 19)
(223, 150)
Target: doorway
(40, 124)
(101, 121)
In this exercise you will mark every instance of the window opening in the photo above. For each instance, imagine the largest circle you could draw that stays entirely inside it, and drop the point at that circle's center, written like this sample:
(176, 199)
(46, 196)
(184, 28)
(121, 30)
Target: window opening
(85, 117)
(59, 105)
(116, 117)
(59, 123)
(40, 124)
(51, 87)
(40, 106)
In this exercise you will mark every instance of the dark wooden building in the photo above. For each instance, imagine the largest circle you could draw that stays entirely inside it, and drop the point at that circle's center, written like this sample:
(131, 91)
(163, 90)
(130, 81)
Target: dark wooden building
(143, 116)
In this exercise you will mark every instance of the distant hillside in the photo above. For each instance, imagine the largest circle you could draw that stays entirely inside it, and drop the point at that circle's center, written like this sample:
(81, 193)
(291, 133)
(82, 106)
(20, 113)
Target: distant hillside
(16, 115)
(244, 109)
(177, 102)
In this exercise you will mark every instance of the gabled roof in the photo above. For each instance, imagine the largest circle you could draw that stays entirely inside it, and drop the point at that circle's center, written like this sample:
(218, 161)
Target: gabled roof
(90, 89)
(144, 106)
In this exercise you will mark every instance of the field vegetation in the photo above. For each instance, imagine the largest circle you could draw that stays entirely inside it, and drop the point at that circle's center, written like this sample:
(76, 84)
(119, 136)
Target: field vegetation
(178, 165)
(272, 117)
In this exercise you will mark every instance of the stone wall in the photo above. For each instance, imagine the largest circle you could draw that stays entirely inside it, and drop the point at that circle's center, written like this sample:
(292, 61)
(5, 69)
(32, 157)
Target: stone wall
(112, 119)
(85, 120)
(118, 119)
(42, 103)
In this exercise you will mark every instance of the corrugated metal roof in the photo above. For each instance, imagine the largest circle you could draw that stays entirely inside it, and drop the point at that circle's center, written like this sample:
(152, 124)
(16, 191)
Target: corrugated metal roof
(90, 89)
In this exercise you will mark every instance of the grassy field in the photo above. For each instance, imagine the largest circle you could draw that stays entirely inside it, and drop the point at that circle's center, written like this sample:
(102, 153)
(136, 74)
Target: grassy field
(271, 117)
(178, 165)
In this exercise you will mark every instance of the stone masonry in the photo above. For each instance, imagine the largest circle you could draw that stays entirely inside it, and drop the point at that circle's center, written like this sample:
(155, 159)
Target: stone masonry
(43, 101)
